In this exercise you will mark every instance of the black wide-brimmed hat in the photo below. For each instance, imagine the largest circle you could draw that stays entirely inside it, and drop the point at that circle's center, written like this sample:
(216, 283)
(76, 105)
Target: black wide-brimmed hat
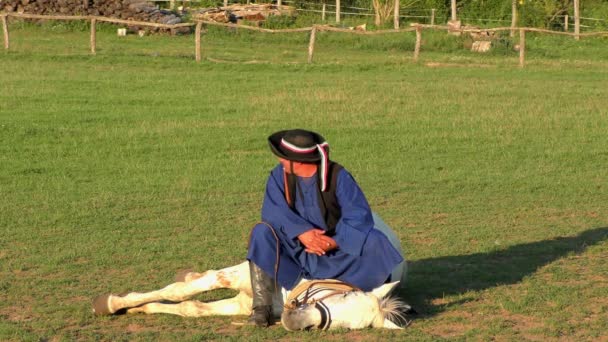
(297, 145)
(303, 146)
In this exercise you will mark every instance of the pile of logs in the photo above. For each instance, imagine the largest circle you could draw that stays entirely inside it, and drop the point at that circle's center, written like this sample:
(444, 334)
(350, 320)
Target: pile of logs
(139, 10)
(481, 35)
(482, 40)
(236, 12)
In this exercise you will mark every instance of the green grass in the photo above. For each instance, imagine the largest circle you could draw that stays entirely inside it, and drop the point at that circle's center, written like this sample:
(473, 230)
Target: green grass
(121, 168)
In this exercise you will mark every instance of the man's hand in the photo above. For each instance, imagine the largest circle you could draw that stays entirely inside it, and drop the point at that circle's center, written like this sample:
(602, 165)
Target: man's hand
(317, 242)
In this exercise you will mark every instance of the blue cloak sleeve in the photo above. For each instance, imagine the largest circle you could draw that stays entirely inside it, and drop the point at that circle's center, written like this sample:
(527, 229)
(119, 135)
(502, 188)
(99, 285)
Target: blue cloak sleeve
(356, 221)
(275, 210)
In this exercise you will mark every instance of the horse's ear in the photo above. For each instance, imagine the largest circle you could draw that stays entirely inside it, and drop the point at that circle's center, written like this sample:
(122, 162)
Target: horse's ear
(385, 289)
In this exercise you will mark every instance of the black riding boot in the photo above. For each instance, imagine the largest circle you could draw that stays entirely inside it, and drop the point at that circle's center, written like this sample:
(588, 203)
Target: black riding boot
(262, 287)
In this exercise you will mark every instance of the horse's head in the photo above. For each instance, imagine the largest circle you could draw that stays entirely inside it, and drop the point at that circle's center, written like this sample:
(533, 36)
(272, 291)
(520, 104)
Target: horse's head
(344, 309)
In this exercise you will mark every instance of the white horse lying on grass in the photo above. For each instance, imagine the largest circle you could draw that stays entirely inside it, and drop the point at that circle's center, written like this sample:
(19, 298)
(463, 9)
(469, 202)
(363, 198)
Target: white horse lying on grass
(323, 304)
(316, 304)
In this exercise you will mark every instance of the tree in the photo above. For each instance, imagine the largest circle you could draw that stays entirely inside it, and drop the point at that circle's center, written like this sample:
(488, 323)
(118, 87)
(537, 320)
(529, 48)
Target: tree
(513, 16)
(382, 10)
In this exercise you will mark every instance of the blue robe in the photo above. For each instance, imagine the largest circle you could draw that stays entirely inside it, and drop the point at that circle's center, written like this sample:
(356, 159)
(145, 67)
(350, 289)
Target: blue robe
(365, 258)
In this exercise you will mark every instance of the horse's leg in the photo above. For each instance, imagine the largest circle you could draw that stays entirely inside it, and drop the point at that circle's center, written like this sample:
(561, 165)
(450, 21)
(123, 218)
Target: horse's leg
(187, 275)
(235, 277)
(238, 305)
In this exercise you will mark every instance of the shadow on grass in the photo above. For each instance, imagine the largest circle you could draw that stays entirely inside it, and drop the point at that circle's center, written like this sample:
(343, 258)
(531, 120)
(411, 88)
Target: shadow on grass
(434, 278)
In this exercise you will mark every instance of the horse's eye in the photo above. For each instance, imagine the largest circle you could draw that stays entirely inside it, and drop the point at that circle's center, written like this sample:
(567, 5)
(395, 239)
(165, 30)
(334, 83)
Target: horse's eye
(302, 307)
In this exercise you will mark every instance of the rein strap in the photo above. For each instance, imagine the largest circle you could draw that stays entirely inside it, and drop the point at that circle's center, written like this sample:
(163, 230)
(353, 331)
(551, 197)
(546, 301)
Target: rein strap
(336, 287)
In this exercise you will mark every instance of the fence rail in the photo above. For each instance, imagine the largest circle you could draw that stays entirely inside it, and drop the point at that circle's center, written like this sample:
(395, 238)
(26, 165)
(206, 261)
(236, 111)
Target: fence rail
(200, 29)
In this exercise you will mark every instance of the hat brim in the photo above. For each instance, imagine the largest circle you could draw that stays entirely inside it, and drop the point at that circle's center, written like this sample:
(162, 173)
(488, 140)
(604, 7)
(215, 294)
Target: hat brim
(277, 149)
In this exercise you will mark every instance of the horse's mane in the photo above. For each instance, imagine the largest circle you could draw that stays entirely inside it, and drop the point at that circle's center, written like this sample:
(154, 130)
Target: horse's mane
(394, 310)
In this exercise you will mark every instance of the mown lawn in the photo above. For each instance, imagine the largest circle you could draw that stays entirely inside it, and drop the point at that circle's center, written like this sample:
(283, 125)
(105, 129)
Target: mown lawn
(121, 168)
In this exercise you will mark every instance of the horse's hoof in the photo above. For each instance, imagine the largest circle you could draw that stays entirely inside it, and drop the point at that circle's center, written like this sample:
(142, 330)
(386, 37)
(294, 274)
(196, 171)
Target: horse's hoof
(181, 275)
(101, 305)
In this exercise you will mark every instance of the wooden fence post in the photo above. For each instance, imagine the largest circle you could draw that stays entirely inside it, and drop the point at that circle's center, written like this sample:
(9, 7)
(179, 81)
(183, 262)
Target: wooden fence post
(432, 16)
(197, 41)
(323, 12)
(396, 16)
(522, 47)
(337, 11)
(418, 40)
(577, 20)
(5, 30)
(311, 43)
(93, 36)
(566, 23)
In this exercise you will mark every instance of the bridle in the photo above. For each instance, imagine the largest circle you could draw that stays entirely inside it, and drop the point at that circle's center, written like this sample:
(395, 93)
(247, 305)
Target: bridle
(308, 293)
(304, 294)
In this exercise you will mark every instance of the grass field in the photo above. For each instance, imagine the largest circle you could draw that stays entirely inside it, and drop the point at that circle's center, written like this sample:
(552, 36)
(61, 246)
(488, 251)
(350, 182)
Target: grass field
(121, 168)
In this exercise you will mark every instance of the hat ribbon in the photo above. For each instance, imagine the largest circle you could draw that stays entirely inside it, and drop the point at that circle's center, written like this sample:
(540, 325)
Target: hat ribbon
(324, 157)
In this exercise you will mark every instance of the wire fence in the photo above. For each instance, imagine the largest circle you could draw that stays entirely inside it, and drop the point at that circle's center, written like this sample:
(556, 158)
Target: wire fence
(420, 15)
(200, 28)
